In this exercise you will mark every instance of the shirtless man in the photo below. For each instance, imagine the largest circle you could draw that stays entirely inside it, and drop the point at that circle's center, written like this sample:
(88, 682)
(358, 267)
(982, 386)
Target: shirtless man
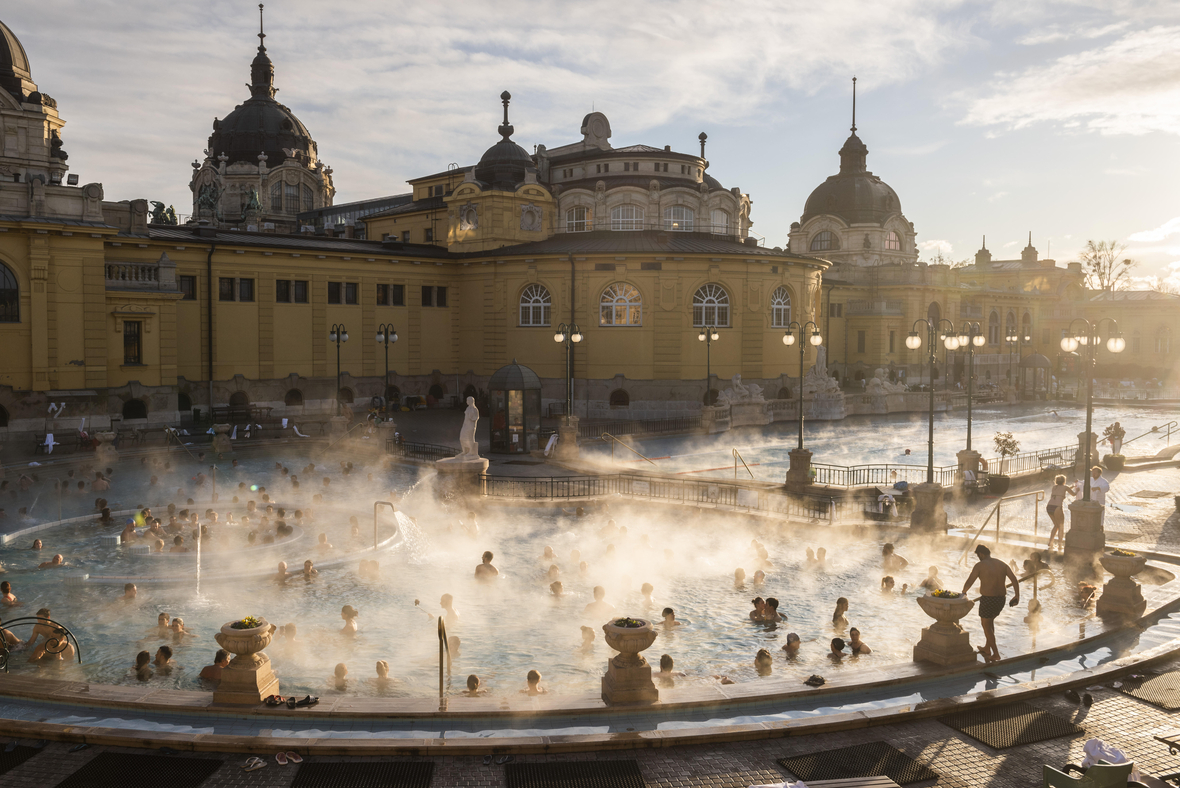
(599, 608)
(53, 563)
(993, 576)
(486, 571)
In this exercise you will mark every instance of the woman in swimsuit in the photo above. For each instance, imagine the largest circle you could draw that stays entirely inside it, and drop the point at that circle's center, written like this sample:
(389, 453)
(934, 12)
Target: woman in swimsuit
(1055, 509)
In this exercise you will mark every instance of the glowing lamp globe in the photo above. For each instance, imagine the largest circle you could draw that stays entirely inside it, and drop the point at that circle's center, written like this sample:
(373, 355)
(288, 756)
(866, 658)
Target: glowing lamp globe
(1069, 344)
(979, 340)
(1116, 344)
(788, 339)
(913, 341)
(559, 337)
(816, 339)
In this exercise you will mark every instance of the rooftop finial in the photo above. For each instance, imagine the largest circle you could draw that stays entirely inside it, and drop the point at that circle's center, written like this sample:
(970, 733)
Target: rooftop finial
(261, 34)
(505, 127)
(1030, 237)
(854, 105)
(703, 136)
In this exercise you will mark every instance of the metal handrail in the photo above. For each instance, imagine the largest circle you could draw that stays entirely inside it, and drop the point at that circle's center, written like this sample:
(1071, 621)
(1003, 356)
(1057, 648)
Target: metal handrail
(53, 645)
(328, 448)
(442, 646)
(606, 435)
(1153, 431)
(737, 455)
(376, 505)
(1040, 494)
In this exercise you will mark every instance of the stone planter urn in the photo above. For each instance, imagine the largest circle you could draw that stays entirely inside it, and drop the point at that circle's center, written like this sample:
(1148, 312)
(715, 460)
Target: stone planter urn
(105, 452)
(249, 678)
(1114, 462)
(945, 642)
(628, 676)
(1122, 596)
(221, 443)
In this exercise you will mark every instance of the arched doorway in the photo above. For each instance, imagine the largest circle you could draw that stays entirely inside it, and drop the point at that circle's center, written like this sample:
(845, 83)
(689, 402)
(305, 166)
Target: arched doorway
(293, 398)
(239, 399)
(619, 398)
(134, 409)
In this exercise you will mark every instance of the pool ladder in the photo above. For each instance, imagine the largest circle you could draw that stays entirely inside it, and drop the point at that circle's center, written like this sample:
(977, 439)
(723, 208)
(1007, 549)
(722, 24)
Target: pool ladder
(737, 455)
(1040, 496)
(606, 435)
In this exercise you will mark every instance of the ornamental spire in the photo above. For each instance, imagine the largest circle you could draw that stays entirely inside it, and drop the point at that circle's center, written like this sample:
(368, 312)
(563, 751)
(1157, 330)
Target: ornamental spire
(853, 104)
(506, 127)
(262, 71)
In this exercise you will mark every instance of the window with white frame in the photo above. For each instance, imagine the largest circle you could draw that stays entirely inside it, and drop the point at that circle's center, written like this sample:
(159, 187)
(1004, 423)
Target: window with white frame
(620, 305)
(710, 306)
(679, 218)
(892, 242)
(626, 217)
(780, 308)
(575, 220)
(535, 305)
(720, 221)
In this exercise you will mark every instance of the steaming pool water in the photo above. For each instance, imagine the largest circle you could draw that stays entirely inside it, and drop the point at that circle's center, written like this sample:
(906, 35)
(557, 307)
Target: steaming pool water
(506, 627)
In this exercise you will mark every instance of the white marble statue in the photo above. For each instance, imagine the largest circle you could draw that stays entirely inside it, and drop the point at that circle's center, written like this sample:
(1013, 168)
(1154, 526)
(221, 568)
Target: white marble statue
(467, 442)
(740, 392)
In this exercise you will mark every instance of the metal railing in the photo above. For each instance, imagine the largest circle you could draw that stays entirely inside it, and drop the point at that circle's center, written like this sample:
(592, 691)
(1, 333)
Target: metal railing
(614, 441)
(1032, 461)
(737, 455)
(880, 307)
(594, 430)
(426, 452)
(1040, 496)
(868, 475)
(802, 506)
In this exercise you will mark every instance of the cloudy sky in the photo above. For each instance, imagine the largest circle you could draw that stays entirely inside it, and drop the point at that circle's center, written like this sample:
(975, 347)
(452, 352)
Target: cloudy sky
(997, 118)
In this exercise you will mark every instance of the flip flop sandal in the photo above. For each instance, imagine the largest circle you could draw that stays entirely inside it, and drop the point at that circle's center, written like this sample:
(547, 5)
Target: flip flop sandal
(79, 747)
(294, 757)
(1088, 699)
(253, 765)
(291, 702)
(308, 701)
(487, 760)
(274, 700)
(281, 758)
(503, 759)
(1072, 696)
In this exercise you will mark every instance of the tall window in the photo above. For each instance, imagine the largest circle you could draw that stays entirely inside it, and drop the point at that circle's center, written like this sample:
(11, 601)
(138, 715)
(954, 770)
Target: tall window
(860, 341)
(225, 289)
(132, 342)
(679, 218)
(245, 289)
(535, 304)
(283, 291)
(993, 329)
(824, 241)
(626, 217)
(575, 220)
(1163, 342)
(291, 197)
(892, 336)
(620, 305)
(780, 308)
(188, 286)
(892, 242)
(276, 197)
(710, 306)
(334, 293)
(720, 221)
(9, 296)
(351, 294)
(308, 198)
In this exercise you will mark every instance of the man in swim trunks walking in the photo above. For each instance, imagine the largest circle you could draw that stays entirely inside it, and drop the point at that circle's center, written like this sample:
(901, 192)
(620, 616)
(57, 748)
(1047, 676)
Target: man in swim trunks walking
(993, 575)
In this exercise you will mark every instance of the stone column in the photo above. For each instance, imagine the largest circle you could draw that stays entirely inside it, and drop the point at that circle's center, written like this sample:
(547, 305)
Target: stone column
(945, 642)
(1085, 540)
(1122, 596)
(800, 471)
(968, 461)
(929, 514)
(567, 440)
(628, 676)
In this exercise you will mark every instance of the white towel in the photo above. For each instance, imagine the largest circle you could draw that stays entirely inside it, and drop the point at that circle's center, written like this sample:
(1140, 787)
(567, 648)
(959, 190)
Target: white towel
(209, 431)
(297, 432)
(234, 435)
(284, 424)
(1097, 750)
(49, 443)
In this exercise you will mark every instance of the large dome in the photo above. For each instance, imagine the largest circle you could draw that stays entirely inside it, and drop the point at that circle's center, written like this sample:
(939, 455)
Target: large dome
(855, 194)
(261, 124)
(15, 76)
(503, 166)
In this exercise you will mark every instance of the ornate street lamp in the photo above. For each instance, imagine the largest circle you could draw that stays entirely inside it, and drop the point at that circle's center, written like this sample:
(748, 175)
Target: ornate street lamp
(707, 335)
(338, 334)
(913, 342)
(568, 334)
(1014, 339)
(1088, 337)
(386, 335)
(970, 336)
(789, 339)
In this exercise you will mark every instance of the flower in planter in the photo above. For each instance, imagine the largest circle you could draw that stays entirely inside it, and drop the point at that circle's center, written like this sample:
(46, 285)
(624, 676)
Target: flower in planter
(942, 593)
(628, 623)
(1006, 445)
(249, 622)
(1123, 553)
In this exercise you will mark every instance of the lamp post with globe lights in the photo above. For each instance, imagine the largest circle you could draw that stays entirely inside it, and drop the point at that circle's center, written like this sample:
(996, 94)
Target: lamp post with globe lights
(386, 335)
(338, 334)
(1086, 539)
(568, 334)
(928, 513)
(1014, 338)
(808, 333)
(913, 342)
(970, 336)
(708, 335)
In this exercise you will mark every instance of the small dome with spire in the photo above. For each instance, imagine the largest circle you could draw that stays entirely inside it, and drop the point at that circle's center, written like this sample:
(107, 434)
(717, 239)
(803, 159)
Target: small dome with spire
(15, 76)
(503, 166)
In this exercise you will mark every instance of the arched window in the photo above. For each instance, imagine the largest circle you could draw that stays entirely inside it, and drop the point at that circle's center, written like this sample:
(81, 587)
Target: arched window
(720, 221)
(710, 306)
(679, 218)
(1010, 325)
(784, 393)
(626, 217)
(9, 296)
(308, 198)
(345, 395)
(780, 308)
(470, 391)
(619, 399)
(620, 305)
(276, 197)
(535, 304)
(239, 399)
(575, 220)
(993, 328)
(824, 241)
(437, 392)
(3, 416)
(1026, 326)
(934, 313)
(291, 197)
(892, 242)
(1163, 341)
(134, 409)
(293, 398)
(183, 402)
(393, 395)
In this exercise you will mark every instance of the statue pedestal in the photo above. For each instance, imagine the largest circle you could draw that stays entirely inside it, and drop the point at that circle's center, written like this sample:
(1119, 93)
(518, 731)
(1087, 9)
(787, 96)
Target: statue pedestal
(746, 414)
(567, 441)
(715, 418)
(628, 676)
(1122, 597)
(945, 642)
(459, 476)
(1085, 540)
(929, 514)
(968, 461)
(249, 677)
(105, 452)
(799, 474)
(221, 442)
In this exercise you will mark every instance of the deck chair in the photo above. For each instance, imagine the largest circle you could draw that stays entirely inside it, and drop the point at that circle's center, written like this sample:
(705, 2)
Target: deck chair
(1100, 775)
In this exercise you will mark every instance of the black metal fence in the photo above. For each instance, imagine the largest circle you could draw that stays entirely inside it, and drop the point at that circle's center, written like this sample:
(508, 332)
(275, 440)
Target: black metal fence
(595, 430)
(705, 492)
(426, 452)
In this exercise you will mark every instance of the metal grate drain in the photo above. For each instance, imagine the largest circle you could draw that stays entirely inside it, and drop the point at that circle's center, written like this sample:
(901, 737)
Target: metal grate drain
(19, 754)
(366, 774)
(874, 759)
(574, 774)
(1162, 691)
(123, 770)
(1010, 726)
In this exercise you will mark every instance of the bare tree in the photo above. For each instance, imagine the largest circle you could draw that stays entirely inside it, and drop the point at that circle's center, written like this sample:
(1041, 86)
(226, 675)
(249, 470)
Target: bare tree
(1163, 285)
(1103, 268)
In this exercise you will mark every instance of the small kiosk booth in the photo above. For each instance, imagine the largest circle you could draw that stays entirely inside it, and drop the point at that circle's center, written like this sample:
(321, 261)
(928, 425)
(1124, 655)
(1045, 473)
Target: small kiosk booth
(514, 395)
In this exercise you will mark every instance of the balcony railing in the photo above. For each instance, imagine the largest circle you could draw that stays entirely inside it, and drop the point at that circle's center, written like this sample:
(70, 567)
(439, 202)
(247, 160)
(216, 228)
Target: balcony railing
(160, 275)
(886, 308)
(726, 231)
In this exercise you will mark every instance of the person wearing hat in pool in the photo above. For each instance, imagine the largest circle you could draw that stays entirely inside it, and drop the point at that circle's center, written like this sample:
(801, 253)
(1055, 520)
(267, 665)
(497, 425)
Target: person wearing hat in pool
(993, 576)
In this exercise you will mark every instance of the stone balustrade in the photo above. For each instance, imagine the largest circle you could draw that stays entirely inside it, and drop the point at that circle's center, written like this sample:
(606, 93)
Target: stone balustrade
(160, 275)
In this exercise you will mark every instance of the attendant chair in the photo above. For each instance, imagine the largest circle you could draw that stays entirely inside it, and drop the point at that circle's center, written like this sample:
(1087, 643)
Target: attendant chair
(1100, 775)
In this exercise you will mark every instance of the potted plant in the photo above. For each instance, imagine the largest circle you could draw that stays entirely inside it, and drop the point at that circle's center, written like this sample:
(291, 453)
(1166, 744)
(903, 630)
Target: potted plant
(946, 607)
(1114, 435)
(629, 636)
(1006, 445)
(245, 637)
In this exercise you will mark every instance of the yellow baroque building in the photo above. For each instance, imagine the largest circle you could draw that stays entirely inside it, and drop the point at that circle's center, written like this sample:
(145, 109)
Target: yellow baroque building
(109, 313)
